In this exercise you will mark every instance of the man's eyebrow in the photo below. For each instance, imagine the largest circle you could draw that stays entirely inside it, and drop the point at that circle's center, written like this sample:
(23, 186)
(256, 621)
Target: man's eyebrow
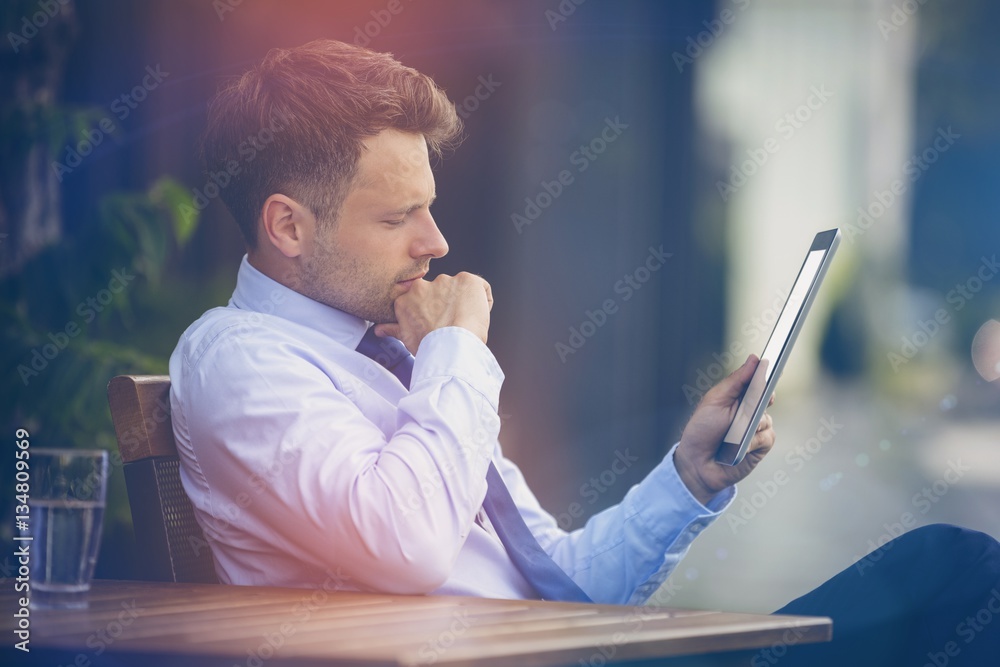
(410, 209)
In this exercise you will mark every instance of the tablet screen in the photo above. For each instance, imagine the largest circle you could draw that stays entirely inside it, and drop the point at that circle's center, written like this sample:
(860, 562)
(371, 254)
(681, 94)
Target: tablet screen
(761, 385)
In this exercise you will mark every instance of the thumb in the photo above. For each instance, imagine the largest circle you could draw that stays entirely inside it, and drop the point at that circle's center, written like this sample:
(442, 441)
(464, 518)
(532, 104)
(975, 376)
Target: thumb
(389, 329)
(730, 389)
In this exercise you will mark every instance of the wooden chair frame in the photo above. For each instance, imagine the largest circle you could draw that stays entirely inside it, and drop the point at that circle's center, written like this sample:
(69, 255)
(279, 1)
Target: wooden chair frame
(171, 545)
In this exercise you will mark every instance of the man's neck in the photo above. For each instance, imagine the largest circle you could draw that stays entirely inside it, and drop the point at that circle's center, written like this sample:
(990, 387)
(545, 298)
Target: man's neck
(279, 269)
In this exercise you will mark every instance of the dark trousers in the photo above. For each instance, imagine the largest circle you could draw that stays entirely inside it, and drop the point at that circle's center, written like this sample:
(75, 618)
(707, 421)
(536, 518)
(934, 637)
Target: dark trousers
(929, 597)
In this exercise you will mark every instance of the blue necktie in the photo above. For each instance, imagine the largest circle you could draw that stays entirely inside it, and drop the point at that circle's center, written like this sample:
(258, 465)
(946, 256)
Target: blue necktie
(551, 582)
(388, 352)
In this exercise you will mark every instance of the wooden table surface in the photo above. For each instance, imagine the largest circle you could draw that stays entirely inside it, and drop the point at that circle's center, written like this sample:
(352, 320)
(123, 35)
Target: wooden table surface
(255, 626)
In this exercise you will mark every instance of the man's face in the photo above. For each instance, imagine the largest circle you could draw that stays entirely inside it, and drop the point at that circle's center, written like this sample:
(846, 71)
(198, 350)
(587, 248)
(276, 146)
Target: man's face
(385, 236)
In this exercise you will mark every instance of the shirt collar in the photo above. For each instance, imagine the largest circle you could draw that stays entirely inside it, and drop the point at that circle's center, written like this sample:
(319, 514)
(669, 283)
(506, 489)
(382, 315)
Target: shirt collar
(259, 293)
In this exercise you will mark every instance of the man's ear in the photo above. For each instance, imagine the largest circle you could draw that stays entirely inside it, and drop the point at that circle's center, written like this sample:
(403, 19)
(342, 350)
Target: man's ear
(287, 224)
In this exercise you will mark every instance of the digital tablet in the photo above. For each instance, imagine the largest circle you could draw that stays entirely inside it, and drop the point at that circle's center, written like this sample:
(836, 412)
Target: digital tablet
(754, 401)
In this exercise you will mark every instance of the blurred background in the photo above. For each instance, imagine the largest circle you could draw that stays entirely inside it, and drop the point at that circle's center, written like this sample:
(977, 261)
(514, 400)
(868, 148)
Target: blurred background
(639, 184)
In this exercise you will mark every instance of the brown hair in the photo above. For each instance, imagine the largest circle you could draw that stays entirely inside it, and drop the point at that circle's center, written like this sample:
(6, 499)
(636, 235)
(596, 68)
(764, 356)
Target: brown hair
(295, 122)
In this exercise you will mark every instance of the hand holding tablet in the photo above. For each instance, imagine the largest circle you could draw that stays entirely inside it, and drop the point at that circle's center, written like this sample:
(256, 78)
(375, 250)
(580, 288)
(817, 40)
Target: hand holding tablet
(755, 399)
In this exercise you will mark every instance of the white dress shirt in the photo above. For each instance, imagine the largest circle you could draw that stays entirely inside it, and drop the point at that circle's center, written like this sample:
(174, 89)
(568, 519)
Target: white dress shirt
(309, 464)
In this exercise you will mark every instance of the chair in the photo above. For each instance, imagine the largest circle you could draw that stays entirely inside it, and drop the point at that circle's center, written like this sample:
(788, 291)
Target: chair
(170, 544)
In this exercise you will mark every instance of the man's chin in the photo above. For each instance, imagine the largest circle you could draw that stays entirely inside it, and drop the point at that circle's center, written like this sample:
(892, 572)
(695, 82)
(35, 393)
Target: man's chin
(381, 316)
(374, 315)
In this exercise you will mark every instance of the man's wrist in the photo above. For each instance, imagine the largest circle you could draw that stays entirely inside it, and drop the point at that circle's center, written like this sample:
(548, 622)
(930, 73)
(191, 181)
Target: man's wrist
(473, 326)
(692, 479)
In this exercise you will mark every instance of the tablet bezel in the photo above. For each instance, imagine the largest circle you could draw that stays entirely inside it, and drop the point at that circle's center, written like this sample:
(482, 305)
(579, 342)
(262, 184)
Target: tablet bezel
(732, 452)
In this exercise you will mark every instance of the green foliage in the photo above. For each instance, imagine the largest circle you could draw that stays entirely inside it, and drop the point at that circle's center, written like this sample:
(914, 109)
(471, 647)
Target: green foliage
(72, 316)
(81, 312)
(25, 125)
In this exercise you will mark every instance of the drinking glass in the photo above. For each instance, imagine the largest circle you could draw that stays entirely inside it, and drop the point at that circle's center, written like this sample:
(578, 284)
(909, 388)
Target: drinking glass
(68, 488)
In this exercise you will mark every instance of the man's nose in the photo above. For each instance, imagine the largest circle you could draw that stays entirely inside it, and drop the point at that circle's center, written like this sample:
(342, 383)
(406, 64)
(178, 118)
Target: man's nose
(430, 241)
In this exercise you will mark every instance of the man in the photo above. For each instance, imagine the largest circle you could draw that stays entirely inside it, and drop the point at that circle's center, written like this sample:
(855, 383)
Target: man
(314, 448)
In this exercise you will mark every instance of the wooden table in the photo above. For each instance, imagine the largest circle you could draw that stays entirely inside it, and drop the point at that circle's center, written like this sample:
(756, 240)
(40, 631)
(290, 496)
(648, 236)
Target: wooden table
(147, 623)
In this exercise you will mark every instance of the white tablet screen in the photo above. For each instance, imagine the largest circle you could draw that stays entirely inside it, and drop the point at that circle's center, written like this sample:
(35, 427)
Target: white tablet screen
(775, 344)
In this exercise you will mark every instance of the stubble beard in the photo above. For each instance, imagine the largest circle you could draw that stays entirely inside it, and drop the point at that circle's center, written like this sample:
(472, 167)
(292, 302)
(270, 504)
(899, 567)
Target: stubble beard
(346, 283)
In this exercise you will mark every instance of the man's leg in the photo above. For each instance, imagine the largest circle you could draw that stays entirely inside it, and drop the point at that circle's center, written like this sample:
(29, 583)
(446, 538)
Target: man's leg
(930, 597)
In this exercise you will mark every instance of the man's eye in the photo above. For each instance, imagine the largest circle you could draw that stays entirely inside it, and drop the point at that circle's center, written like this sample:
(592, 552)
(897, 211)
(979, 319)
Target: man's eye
(393, 223)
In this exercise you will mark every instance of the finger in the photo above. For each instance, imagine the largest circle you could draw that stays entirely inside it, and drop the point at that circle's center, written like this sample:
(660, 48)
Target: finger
(765, 423)
(730, 388)
(763, 440)
(771, 402)
(390, 329)
(489, 294)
